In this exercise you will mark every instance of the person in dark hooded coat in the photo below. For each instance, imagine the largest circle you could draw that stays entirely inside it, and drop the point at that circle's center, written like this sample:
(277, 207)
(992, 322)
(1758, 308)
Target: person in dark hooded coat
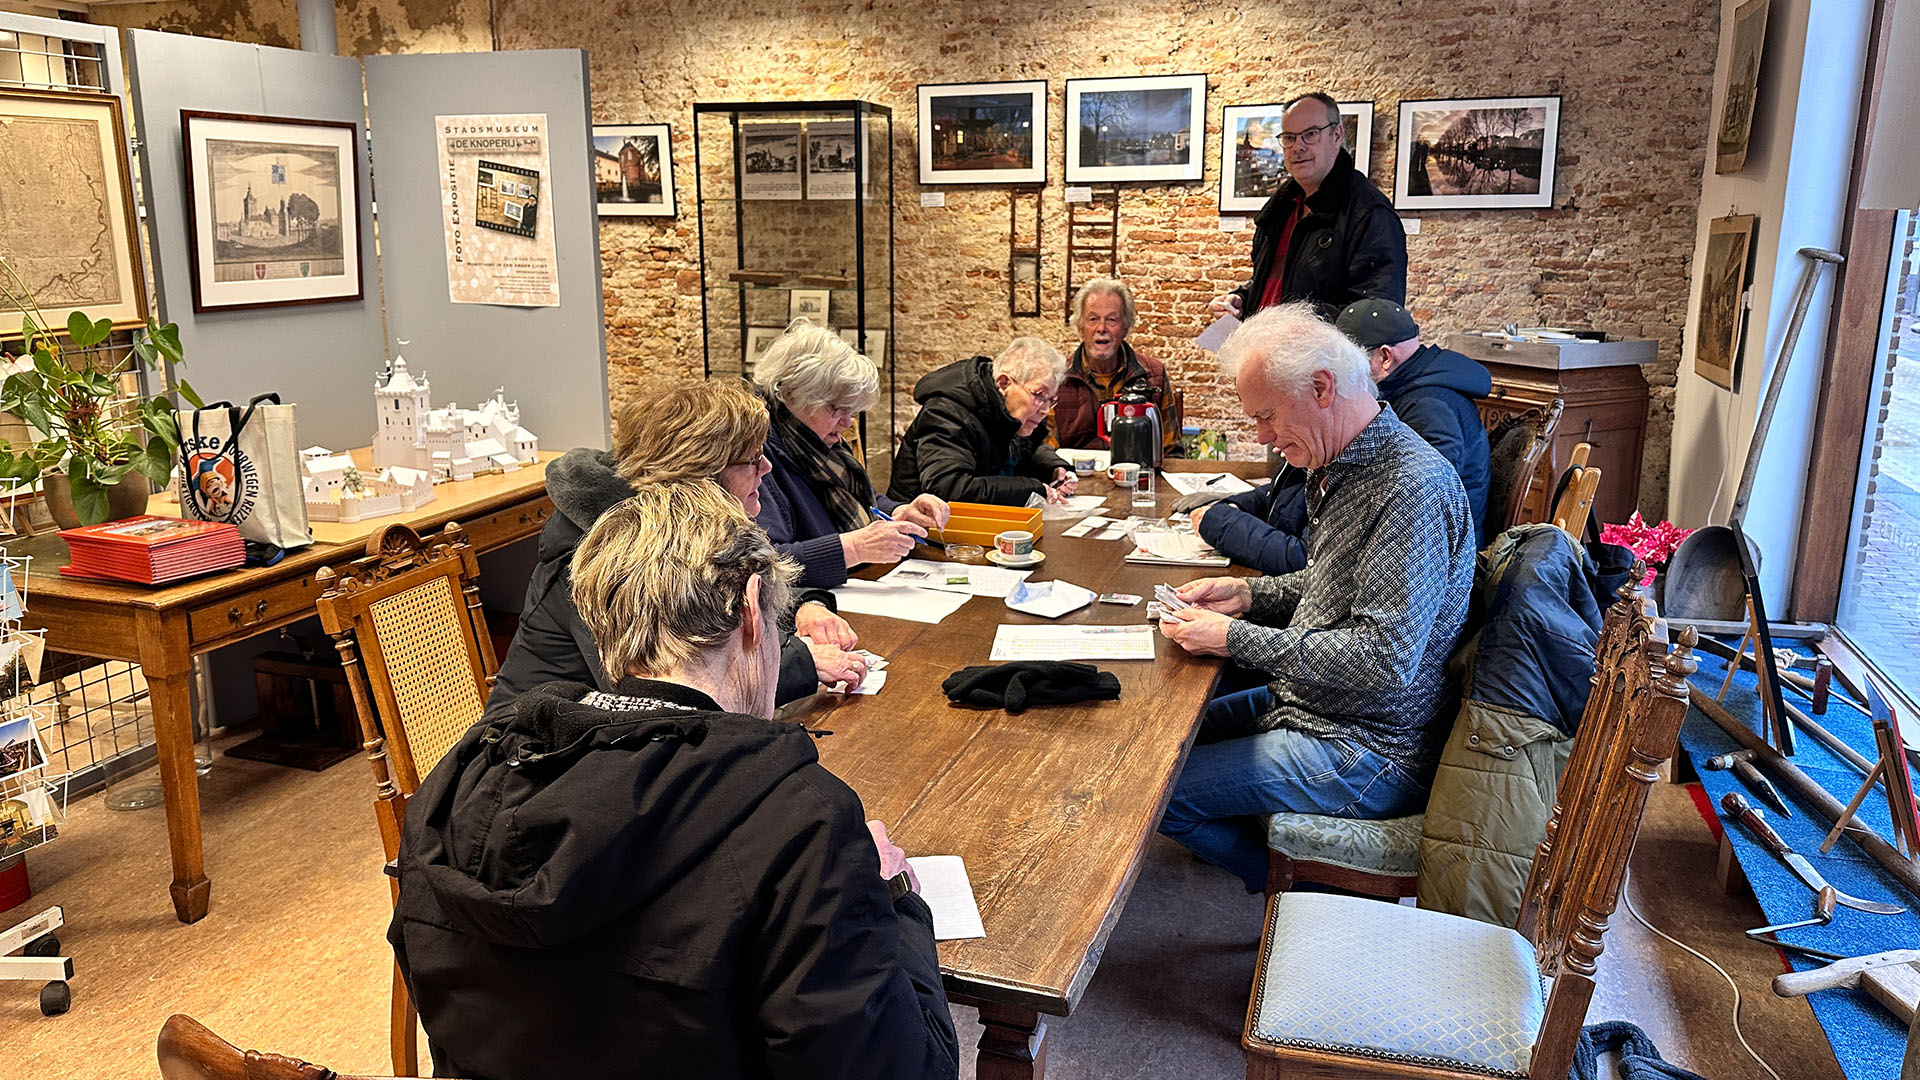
(981, 434)
(658, 880)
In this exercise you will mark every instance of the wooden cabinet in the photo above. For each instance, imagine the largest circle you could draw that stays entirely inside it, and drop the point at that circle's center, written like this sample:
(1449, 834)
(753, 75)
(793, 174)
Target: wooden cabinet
(1604, 406)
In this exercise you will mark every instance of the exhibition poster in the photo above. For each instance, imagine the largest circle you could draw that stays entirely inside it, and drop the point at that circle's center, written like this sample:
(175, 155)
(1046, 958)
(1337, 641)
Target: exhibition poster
(494, 181)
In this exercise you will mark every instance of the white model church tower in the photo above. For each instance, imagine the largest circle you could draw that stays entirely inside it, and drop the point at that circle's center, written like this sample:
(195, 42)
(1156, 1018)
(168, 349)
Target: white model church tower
(401, 405)
(450, 443)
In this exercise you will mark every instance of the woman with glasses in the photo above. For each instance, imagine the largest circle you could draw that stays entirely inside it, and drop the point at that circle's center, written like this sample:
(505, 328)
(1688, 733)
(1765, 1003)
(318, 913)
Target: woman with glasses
(981, 433)
(818, 506)
(667, 431)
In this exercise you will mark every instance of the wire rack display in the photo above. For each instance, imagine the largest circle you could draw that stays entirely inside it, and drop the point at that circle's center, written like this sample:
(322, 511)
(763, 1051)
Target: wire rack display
(33, 790)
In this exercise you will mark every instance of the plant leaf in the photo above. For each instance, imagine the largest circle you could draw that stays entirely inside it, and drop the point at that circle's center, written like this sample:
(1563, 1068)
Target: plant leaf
(165, 429)
(37, 417)
(89, 499)
(187, 391)
(155, 462)
(167, 340)
(86, 333)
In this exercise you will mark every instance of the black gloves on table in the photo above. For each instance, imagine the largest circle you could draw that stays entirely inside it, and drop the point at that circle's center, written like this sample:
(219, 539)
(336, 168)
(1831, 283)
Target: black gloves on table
(1015, 686)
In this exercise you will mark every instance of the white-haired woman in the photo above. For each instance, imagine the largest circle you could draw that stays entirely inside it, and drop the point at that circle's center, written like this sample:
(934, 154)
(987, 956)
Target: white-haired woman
(819, 505)
(982, 429)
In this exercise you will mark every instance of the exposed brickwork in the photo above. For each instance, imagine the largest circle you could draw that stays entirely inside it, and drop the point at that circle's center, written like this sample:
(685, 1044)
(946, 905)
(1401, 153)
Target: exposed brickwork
(1636, 83)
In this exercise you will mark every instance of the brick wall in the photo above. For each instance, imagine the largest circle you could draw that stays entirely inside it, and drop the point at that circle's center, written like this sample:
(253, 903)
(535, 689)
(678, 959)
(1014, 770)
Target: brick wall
(1635, 82)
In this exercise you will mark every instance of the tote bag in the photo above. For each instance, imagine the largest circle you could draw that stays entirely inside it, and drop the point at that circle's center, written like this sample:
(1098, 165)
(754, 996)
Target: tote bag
(241, 466)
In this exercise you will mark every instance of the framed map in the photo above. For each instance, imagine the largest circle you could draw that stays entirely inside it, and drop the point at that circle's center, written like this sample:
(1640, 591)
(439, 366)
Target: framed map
(273, 210)
(67, 224)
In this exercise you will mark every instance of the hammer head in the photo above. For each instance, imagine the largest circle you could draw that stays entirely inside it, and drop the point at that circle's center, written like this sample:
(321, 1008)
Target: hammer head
(1725, 761)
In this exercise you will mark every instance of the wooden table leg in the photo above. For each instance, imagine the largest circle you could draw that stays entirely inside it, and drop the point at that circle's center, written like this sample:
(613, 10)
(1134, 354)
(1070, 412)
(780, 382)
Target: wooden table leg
(1014, 1044)
(167, 664)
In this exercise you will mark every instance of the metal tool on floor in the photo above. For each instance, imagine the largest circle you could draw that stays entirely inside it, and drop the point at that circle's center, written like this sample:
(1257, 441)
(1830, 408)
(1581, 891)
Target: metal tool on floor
(1744, 812)
(1741, 762)
(1823, 904)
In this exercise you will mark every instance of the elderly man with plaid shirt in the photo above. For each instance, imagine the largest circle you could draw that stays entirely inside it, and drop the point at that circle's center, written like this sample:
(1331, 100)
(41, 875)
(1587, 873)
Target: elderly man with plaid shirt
(1356, 643)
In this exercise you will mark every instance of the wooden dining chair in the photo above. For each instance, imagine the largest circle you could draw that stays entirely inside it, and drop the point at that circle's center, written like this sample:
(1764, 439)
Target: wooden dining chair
(407, 623)
(1348, 988)
(1515, 446)
(190, 1051)
(1578, 486)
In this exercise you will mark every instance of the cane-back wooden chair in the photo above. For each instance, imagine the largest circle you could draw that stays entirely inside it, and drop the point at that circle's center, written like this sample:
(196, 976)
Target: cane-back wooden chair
(189, 1051)
(1348, 987)
(407, 623)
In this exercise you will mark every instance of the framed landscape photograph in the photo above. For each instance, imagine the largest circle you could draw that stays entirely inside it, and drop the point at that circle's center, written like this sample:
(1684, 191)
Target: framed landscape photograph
(67, 221)
(759, 340)
(983, 133)
(633, 170)
(1743, 86)
(829, 160)
(273, 210)
(1716, 336)
(1477, 153)
(1148, 127)
(769, 159)
(876, 349)
(1252, 162)
(808, 304)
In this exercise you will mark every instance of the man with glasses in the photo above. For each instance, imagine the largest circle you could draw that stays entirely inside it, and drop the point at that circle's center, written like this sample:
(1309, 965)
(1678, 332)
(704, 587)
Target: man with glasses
(1328, 235)
(1103, 365)
(981, 432)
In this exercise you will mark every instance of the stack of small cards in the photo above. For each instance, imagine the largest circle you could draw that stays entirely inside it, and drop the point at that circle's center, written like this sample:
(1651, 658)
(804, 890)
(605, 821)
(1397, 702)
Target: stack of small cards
(1101, 528)
(876, 675)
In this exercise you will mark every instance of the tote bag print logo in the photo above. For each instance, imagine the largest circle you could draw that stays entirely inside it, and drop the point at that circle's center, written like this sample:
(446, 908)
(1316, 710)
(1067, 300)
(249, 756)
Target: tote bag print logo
(221, 487)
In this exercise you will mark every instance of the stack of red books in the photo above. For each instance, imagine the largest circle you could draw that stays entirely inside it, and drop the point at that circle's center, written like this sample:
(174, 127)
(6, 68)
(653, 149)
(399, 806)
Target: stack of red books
(152, 550)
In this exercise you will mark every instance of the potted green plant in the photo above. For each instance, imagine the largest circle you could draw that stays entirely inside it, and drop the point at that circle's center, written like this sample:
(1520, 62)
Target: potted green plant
(95, 451)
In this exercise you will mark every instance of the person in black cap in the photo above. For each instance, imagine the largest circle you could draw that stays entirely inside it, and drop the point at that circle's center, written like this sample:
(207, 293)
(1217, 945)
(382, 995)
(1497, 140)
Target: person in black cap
(1430, 389)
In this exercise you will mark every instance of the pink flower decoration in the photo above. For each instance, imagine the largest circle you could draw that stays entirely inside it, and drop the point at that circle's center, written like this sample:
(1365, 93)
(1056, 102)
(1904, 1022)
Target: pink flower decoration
(1653, 544)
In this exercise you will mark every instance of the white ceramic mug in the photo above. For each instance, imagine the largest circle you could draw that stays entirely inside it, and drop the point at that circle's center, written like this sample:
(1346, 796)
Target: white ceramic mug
(1123, 474)
(1015, 544)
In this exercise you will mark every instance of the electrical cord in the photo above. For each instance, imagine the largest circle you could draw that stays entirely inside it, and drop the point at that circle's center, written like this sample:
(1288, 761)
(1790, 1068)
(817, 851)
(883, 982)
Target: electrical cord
(1626, 894)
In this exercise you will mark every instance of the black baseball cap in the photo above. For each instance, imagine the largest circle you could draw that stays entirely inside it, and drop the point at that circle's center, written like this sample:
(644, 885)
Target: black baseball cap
(1373, 322)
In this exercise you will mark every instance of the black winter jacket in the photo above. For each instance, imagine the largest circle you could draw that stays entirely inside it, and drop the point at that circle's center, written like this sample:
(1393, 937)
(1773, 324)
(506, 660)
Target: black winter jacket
(1350, 245)
(1433, 392)
(639, 884)
(965, 447)
(552, 644)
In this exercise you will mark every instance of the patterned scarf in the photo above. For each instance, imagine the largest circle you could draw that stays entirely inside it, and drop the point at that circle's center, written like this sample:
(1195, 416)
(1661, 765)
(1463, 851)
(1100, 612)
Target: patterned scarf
(835, 475)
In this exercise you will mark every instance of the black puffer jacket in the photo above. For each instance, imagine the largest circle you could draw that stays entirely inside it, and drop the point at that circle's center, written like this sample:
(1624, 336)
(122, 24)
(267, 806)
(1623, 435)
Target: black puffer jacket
(1350, 245)
(552, 644)
(639, 884)
(965, 447)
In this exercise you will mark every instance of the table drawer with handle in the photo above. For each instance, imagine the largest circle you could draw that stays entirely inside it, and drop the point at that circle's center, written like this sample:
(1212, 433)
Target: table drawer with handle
(513, 523)
(240, 616)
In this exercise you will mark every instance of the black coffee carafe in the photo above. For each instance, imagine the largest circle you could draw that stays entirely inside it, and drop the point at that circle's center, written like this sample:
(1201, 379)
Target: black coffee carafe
(1133, 428)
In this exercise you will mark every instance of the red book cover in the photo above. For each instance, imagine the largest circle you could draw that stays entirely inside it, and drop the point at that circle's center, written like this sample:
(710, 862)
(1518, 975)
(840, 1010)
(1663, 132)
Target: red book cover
(146, 531)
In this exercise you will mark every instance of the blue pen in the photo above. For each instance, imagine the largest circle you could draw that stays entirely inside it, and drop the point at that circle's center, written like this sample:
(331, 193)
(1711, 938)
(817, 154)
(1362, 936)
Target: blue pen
(929, 541)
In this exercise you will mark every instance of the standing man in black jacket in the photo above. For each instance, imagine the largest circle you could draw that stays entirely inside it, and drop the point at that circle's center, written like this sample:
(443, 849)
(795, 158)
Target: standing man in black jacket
(660, 880)
(1328, 235)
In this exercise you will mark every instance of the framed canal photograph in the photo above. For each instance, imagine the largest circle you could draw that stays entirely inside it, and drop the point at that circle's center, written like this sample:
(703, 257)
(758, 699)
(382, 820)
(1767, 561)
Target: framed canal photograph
(69, 232)
(1252, 161)
(1149, 127)
(1716, 334)
(633, 170)
(273, 210)
(1477, 153)
(983, 133)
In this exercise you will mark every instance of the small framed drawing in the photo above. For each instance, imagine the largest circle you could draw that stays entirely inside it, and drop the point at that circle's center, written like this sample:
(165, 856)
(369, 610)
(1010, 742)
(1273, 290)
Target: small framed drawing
(983, 133)
(1252, 161)
(1716, 335)
(876, 349)
(71, 231)
(808, 304)
(633, 170)
(1477, 153)
(1743, 86)
(273, 210)
(1146, 127)
(759, 340)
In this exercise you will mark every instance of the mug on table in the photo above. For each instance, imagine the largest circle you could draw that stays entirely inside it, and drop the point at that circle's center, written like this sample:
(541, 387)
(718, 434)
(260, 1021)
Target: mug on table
(1124, 474)
(1014, 543)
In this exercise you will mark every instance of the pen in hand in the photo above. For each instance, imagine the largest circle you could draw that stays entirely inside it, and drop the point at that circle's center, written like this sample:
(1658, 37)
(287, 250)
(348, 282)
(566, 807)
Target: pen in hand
(927, 540)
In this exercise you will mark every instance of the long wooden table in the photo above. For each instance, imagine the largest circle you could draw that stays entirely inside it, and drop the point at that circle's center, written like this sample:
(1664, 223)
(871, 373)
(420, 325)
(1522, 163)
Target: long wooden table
(1052, 809)
(162, 629)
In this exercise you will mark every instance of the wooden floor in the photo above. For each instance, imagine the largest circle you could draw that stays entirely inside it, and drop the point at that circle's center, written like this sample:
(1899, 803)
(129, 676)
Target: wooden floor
(293, 956)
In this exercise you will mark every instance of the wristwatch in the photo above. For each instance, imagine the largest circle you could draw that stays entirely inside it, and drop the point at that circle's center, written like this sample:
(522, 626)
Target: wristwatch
(899, 885)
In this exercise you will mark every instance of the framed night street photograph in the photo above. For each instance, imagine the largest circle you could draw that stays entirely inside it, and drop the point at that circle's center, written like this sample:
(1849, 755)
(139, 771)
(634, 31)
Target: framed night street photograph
(273, 210)
(1252, 162)
(633, 170)
(1149, 127)
(1477, 153)
(983, 133)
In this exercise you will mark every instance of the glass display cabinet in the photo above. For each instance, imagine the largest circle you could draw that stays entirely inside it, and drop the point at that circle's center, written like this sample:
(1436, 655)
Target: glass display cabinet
(796, 219)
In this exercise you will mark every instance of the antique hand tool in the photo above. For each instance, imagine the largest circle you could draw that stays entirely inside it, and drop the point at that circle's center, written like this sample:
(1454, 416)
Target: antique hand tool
(1822, 915)
(1741, 762)
(1748, 816)
(1891, 978)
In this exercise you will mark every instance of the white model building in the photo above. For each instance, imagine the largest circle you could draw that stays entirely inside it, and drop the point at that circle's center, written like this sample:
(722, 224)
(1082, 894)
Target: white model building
(451, 443)
(335, 490)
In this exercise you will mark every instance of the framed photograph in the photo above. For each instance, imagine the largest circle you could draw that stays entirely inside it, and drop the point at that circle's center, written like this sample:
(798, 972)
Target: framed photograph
(1252, 162)
(769, 159)
(829, 160)
(876, 349)
(1743, 84)
(1716, 336)
(808, 304)
(1148, 127)
(983, 133)
(633, 170)
(1477, 153)
(68, 219)
(759, 340)
(273, 210)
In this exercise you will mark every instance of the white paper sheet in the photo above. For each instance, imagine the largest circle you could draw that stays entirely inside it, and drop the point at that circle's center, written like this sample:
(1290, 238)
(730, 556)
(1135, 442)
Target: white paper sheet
(1049, 599)
(1076, 506)
(876, 674)
(1175, 547)
(897, 601)
(994, 581)
(1221, 483)
(1212, 336)
(1045, 642)
(1102, 528)
(945, 887)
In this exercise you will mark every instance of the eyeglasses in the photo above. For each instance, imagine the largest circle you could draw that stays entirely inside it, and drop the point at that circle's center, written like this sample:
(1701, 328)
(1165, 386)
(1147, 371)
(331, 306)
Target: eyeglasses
(1044, 400)
(753, 462)
(1310, 136)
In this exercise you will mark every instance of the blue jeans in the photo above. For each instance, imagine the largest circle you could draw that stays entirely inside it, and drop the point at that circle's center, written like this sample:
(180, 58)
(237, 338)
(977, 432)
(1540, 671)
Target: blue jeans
(1228, 781)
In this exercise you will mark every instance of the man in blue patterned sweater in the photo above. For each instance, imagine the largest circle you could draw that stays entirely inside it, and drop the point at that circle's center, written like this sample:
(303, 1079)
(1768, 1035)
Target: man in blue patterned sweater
(1356, 642)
